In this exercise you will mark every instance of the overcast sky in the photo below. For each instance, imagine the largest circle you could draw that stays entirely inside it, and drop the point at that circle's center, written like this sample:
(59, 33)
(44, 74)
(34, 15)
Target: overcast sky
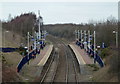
(62, 12)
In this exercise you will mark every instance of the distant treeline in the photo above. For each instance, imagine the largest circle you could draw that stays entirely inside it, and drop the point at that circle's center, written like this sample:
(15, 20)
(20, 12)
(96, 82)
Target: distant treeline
(27, 22)
(103, 30)
(21, 24)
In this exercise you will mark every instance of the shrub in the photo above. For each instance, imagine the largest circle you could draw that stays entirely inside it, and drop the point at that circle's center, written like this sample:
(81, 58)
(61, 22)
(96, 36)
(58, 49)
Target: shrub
(104, 52)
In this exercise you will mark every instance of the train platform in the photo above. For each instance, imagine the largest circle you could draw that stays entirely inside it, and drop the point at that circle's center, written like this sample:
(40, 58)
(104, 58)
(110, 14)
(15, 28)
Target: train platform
(42, 58)
(82, 56)
(33, 70)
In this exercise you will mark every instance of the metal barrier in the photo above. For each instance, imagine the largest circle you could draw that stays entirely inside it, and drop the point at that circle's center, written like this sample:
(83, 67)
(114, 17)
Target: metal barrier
(26, 59)
(8, 49)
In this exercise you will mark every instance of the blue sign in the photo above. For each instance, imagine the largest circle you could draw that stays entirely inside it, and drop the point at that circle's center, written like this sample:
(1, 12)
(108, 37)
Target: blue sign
(32, 39)
(103, 45)
(41, 42)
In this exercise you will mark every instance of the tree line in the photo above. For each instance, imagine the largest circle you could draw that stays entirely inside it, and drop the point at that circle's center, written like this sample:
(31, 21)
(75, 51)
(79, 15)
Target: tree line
(104, 30)
(21, 24)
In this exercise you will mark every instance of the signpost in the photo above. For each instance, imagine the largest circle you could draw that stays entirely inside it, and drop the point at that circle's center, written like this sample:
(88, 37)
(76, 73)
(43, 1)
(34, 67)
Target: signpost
(85, 40)
(81, 36)
(78, 35)
(94, 47)
(116, 37)
(75, 34)
(28, 48)
(39, 25)
(89, 39)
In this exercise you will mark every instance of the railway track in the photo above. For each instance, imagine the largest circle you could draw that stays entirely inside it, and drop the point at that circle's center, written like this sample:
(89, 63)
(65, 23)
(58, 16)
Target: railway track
(72, 65)
(51, 70)
(61, 70)
(64, 67)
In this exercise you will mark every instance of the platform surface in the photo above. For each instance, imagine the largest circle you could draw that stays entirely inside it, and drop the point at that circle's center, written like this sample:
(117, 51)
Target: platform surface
(81, 55)
(45, 56)
(42, 58)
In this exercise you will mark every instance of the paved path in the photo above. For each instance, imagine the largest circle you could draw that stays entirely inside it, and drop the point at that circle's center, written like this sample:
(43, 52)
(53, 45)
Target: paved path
(81, 55)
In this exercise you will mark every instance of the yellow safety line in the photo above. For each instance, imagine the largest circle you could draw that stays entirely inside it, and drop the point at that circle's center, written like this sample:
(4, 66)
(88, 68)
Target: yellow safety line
(46, 56)
(74, 49)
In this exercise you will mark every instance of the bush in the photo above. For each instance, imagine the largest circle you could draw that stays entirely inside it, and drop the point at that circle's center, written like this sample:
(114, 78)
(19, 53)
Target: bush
(113, 62)
(22, 51)
(104, 52)
(95, 67)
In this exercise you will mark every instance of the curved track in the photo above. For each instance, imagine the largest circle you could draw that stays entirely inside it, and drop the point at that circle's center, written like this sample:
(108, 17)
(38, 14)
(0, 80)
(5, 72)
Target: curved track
(51, 70)
(72, 64)
(64, 67)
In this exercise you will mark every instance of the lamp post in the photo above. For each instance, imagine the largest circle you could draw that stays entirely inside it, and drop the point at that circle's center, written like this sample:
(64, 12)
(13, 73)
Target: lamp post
(88, 38)
(39, 25)
(85, 40)
(28, 47)
(81, 36)
(78, 35)
(94, 46)
(4, 37)
(75, 34)
(116, 37)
